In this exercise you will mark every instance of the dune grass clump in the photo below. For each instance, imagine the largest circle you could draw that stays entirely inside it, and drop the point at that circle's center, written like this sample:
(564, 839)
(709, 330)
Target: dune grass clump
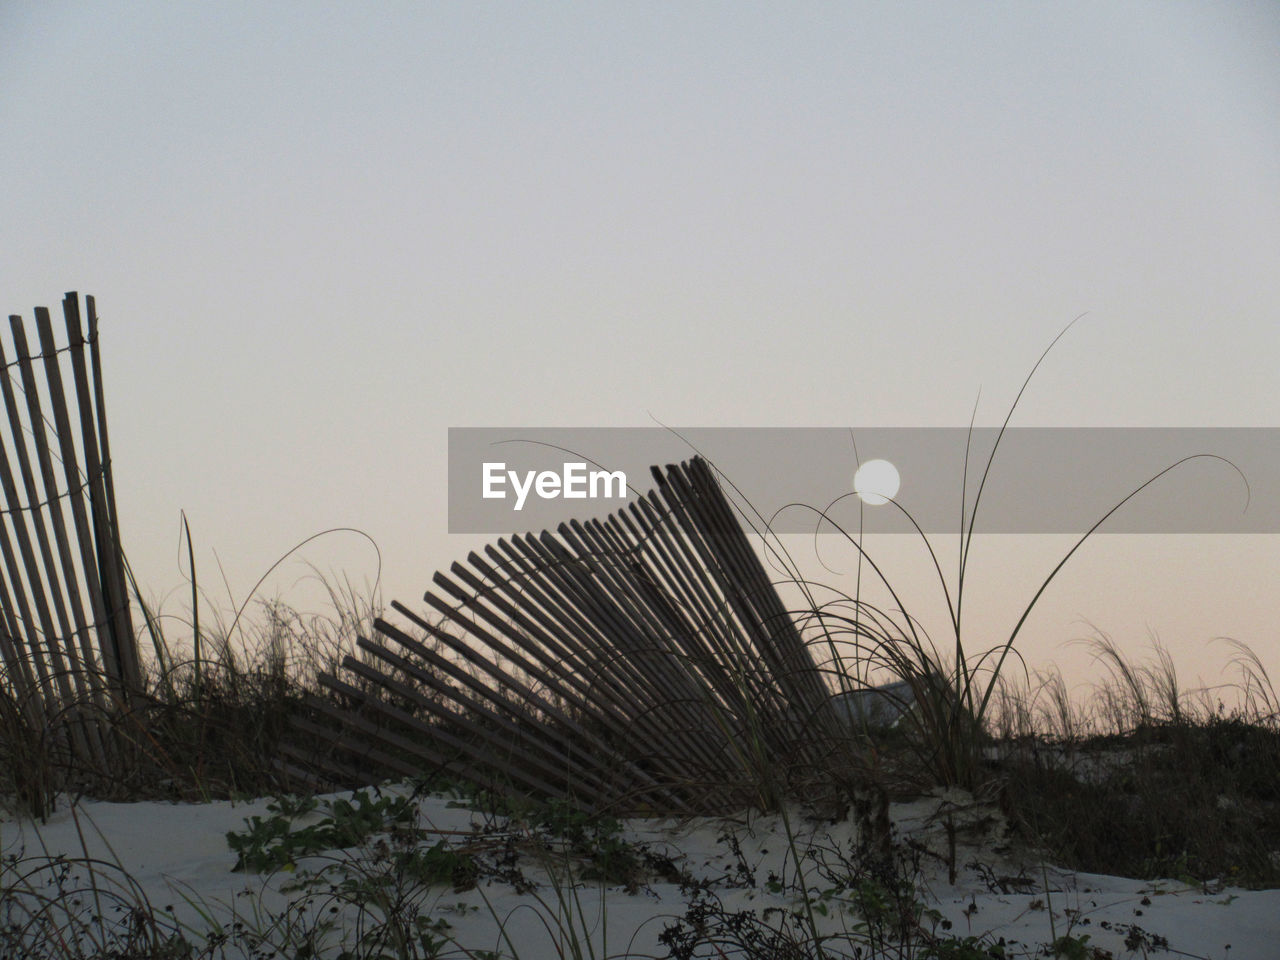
(1148, 780)
(214, 709)
(1194, 801)
(81, 908)
(953, 698)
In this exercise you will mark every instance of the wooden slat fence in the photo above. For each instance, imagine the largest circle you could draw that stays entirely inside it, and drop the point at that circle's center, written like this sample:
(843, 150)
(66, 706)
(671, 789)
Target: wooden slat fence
(67, 647)
(643, 661)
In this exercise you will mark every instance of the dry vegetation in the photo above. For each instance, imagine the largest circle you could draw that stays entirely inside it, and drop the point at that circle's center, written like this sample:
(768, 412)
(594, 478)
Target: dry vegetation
(1144, 779)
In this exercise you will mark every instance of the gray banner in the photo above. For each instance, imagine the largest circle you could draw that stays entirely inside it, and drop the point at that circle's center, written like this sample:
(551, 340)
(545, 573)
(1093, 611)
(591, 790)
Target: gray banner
(506, 480)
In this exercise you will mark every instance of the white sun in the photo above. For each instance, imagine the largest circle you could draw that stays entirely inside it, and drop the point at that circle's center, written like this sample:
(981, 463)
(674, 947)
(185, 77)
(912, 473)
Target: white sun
(876, 482)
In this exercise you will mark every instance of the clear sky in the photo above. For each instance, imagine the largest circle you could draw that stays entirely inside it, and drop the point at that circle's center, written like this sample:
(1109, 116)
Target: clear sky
(321, 234)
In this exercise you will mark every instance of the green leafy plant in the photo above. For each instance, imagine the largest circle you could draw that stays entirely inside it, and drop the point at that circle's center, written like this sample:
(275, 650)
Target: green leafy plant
(1072, 947)
(963, 948)
(275, 842)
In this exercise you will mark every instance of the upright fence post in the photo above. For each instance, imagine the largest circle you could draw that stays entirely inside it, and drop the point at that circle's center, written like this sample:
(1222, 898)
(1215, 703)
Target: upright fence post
(66, 638)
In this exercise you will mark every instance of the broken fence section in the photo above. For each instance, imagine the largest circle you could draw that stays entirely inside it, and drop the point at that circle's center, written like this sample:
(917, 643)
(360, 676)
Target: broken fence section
(643, 661)
(67, 646)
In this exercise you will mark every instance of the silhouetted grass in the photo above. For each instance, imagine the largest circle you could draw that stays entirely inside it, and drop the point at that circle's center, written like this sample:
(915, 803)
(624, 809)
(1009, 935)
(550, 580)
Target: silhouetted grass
(1165, 783)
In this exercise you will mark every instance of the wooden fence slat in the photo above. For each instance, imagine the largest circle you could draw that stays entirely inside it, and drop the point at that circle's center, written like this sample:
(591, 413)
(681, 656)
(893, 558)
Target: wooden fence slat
(729, 656)
(19, 667)
(125, 628)
(356, 731)
(674, 573)
(657, 649)
(605, 706)
(764, 632)
(109, 583)
(42, 634)
(599, 713)
(618, 680)
(66, 563)
(620, 655)
(647, 656)
(581, 736)
(619, 643)
(17, 593)
(542, 746)
(112, 657)
(68, 648)
(527, 635)
(34, 512)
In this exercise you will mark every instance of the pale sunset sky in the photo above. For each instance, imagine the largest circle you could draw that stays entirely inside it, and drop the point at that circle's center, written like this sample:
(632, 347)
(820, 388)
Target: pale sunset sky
(321, 234)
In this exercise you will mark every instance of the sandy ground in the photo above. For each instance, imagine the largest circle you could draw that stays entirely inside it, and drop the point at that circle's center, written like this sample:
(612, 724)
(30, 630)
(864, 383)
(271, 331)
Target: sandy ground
(177, 856)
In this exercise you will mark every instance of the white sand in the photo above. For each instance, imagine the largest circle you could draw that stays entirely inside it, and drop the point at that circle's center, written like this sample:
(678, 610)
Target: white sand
(178, 856)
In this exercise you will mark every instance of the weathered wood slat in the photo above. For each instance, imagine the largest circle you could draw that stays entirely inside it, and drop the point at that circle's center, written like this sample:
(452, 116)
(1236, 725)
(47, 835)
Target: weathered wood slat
(34, 510)
(109, 583)
(359, 736)
(627, 662)
(112, 659)
(603, 703)
(481, 745)
(544, 748)
(66, 565)
(640, 660)
(791, 665)
(68, 651)
(528, 705)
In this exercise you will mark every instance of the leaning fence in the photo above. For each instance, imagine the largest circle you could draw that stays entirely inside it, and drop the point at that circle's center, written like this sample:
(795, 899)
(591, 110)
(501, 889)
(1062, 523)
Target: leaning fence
(67, 646)
(641, 661)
